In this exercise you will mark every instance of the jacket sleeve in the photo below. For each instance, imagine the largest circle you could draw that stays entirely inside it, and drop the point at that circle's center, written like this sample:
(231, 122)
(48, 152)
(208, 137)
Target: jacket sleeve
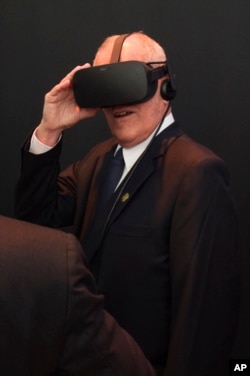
(39, 198)
(204, 269)
(94, 343)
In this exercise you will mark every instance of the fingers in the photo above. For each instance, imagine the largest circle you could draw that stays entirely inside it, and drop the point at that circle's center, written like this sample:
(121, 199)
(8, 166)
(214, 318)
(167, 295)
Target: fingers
(65, 83)
(60, 108)
(84, 113)
(57, 89)
(70, 75)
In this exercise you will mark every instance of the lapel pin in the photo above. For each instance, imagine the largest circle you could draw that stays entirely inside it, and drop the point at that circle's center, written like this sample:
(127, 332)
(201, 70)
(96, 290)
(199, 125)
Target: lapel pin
(125, 197)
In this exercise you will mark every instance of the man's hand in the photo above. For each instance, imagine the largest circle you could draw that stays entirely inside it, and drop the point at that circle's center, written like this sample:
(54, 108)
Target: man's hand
(61, 111)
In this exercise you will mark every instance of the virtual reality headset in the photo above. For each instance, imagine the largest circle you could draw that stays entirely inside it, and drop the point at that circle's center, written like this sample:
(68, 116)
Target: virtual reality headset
(121, 83)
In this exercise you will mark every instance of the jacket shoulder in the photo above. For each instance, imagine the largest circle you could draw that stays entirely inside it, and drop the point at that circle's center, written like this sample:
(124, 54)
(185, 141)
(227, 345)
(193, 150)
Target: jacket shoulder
(188, 150)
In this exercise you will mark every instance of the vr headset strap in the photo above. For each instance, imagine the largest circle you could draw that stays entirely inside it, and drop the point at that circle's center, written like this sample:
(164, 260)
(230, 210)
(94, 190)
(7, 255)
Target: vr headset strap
(116, 52)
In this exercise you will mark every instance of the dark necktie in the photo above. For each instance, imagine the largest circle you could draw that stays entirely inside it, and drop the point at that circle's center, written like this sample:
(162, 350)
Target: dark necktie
(113, 176)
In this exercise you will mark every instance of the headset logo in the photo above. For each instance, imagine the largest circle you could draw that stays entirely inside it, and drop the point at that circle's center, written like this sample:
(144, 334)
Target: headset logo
(240, 367)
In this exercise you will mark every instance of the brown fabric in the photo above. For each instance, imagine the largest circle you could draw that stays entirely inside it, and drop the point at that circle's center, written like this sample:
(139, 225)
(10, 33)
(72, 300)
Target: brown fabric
(116, 52)
(51, 317)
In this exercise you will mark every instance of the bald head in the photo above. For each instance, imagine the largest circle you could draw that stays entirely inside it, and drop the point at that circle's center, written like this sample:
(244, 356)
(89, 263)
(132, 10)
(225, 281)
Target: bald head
(137, 46)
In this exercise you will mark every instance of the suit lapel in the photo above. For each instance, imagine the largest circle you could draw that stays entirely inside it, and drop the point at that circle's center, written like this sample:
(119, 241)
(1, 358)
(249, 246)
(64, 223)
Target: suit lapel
(128, 188)
(144, 169)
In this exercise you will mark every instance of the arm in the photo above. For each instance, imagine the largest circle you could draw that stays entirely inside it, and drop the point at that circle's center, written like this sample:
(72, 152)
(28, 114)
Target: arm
(37, 196)
(204, 267)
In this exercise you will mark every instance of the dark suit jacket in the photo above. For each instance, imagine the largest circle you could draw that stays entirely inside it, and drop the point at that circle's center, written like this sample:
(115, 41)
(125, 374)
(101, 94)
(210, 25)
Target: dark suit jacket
(167, 260)
(51, 317)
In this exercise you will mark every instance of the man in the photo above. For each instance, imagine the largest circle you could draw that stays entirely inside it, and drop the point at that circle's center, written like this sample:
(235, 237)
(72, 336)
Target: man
(52, 320)
(164, 247)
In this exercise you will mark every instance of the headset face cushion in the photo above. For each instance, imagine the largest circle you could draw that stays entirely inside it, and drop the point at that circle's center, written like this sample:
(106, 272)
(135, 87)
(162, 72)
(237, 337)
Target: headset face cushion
(115, 84)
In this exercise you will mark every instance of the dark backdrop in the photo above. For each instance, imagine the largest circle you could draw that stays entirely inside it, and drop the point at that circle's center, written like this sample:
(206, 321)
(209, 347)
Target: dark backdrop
(209, 45)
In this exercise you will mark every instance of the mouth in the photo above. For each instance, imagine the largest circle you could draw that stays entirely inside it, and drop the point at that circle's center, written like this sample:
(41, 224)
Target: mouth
(120, 114)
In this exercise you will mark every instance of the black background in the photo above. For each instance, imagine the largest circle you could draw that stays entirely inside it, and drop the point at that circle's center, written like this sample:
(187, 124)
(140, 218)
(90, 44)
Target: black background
(209, 46)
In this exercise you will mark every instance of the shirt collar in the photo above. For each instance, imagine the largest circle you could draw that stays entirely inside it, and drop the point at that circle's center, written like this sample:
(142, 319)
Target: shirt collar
(132, 154)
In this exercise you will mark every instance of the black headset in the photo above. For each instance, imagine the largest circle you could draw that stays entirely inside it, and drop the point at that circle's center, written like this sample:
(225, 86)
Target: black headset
(168, 85)
(122, 83)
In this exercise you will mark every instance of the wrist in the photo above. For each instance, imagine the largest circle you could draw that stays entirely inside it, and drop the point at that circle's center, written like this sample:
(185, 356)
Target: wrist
(47, 137)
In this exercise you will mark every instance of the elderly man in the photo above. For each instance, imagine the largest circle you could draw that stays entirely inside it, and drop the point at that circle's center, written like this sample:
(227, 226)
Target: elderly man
(163, 247)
